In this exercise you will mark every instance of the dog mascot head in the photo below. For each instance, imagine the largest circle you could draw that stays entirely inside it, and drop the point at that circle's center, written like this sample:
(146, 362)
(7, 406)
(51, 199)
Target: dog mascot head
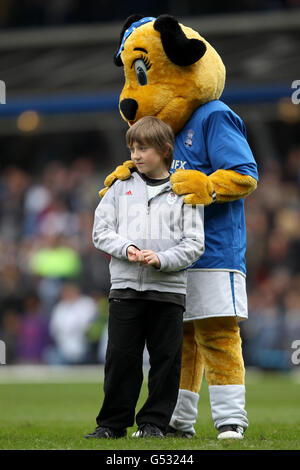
(170, 70)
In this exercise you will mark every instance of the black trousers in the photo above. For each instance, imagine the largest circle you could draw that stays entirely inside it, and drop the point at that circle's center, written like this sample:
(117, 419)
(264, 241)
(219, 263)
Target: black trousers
(132, 324)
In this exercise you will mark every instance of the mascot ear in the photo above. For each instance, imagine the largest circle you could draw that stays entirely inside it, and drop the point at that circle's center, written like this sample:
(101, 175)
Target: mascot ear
(178, 48)
(131, 19)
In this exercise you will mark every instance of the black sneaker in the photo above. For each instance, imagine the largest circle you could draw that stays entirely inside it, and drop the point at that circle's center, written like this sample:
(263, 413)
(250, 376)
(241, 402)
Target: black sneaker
(106, 433)
(172, 432)
(231, 431)
(148, 430)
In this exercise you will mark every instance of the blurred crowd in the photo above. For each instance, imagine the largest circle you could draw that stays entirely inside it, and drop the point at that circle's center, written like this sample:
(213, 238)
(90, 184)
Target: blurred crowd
(273, 265)
(24, 13)
(54, 283)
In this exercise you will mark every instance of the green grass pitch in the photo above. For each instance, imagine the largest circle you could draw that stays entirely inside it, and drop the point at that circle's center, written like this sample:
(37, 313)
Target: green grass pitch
(57, 416)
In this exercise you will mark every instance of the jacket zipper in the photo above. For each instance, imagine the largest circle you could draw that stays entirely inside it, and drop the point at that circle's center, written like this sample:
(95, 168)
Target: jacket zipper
(147, 227)
(140, 277)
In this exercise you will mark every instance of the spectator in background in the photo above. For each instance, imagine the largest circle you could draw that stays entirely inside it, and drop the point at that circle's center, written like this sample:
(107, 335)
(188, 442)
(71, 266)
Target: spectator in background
(291, 167)
(263, 333)
(9, 332)
(37, 199)
(53, 263)
(292, 318)
(33, 335)
(68, 326)
(97, 331)
(13, 185)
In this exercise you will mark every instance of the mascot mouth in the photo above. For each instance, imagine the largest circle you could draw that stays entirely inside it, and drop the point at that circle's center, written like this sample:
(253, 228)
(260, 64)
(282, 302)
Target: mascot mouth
(131, 122)
(157, 114)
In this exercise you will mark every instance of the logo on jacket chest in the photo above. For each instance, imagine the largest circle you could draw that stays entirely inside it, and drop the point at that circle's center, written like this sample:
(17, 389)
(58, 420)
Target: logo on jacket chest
(171, 198)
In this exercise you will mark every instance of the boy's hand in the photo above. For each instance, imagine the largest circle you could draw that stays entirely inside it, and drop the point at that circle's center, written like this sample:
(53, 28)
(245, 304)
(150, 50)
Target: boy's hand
(151, 258)
(135, 255)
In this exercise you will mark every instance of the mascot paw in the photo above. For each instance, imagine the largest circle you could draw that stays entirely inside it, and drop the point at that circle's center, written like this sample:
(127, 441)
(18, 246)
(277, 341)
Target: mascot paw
(129, 164)
(195, 184)
(122, 172)
(103, 191)
(193, 199)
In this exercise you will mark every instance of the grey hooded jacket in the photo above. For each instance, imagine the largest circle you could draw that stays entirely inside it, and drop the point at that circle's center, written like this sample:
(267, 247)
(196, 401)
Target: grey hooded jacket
(164, 224)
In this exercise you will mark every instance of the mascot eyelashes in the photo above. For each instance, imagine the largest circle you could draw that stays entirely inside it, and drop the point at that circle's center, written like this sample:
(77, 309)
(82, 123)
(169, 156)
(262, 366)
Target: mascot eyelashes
(173, 73)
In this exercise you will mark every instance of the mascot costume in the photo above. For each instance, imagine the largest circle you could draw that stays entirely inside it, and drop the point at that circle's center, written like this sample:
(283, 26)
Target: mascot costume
(173, 73)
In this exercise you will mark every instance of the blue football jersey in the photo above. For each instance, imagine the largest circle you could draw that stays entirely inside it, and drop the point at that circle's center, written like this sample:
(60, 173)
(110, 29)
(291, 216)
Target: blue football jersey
(215, 138)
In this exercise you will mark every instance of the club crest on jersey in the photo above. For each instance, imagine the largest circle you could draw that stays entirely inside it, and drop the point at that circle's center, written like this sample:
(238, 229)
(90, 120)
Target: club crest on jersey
(171, 198)
(189, 138)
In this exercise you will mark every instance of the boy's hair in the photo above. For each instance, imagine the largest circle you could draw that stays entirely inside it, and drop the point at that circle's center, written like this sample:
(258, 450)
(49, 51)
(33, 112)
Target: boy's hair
(153, 132)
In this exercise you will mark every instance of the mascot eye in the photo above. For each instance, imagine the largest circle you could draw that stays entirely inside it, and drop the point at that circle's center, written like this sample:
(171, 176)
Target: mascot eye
(141, 72)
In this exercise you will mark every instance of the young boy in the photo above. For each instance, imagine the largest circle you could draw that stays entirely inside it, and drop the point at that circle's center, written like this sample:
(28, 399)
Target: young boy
(152, 237)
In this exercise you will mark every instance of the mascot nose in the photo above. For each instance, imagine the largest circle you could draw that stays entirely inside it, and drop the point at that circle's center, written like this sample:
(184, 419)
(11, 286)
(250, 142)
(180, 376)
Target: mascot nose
(129, 108)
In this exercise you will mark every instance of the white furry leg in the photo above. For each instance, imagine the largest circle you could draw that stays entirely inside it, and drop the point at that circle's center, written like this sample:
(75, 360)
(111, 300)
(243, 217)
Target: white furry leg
(228, 407)
(185, 412)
